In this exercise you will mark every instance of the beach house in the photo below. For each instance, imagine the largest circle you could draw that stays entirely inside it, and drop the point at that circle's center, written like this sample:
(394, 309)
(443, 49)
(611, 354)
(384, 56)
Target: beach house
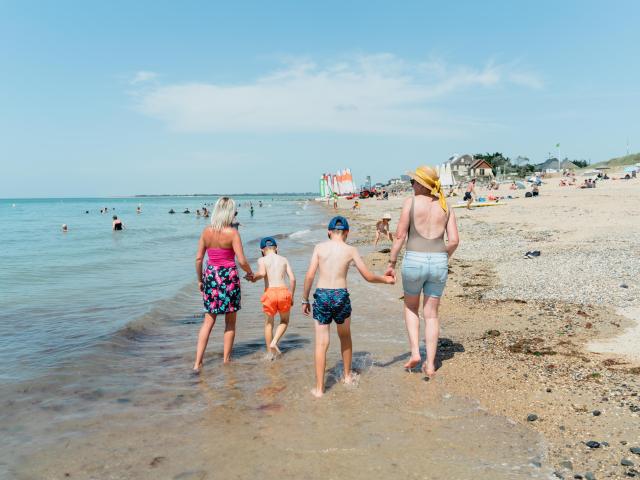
(464, 167)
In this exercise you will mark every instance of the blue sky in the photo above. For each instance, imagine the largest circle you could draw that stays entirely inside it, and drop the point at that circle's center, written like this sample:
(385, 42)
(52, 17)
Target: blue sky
(119, 97)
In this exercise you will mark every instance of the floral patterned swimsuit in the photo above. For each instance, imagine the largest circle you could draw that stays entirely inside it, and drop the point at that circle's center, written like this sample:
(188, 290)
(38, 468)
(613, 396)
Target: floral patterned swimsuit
(221, 292)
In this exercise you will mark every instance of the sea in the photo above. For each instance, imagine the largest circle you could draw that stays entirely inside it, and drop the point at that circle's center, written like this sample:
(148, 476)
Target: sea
(97, 340)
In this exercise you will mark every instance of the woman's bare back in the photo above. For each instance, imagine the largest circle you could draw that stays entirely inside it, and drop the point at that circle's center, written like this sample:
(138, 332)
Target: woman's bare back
(218, 239)
(429, 219)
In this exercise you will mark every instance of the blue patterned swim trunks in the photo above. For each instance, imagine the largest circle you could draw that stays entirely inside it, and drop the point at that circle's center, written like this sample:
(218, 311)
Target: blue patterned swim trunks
(331, 304)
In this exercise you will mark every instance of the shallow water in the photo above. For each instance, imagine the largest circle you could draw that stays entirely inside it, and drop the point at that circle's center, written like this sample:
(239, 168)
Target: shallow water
(127, 407)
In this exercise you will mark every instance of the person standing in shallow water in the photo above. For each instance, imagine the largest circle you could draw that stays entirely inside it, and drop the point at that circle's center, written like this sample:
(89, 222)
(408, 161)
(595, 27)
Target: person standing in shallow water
(220, 282)
(117, 223)
(423, 222)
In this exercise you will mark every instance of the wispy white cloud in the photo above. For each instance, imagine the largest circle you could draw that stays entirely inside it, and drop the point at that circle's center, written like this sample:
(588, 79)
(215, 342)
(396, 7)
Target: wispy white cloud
(380, 94)
(526, 79)
(143, 76)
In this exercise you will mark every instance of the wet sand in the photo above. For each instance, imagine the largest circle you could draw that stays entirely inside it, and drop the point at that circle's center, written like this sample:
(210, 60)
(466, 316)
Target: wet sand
(547, 337)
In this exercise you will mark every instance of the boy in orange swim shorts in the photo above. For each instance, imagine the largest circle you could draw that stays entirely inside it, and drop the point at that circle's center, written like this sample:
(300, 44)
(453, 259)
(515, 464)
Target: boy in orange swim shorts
(277, 298)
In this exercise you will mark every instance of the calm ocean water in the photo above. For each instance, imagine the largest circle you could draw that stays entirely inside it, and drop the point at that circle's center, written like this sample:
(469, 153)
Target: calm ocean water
(63, 292)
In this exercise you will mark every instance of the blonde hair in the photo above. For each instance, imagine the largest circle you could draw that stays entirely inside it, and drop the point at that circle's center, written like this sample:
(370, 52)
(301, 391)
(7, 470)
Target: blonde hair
(223, 213)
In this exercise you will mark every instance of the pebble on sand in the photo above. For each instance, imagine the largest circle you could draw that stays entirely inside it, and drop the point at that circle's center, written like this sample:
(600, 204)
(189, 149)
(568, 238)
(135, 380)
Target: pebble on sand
(593, 444)
(532, 417)
(626, 462)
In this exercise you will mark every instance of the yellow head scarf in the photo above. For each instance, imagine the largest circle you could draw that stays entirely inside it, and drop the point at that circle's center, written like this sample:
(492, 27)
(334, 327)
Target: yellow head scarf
(428, 178)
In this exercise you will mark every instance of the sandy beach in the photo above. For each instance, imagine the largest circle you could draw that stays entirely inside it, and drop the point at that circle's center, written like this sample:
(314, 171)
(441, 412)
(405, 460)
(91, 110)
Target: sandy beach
(549, 342)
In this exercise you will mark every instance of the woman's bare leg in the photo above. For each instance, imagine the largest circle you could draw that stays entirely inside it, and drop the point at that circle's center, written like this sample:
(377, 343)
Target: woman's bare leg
(229, 335)
(375, 244)
(346, 347)
(432, 331)
(322, 345)
(203, 338)
(412, 322)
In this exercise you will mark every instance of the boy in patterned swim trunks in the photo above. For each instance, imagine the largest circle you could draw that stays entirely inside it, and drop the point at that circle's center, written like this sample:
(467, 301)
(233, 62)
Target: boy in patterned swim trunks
(331, 298)
(276, 298)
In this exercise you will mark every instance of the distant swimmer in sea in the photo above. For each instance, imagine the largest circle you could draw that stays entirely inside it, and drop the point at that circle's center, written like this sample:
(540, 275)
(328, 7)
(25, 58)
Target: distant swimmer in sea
(468, 195)
(235, 224)
(198, 213)
(219, 282)
(424, 220)
(251, 208)
(139, 210)
(117, 223)
(65, 229)
(260, 203)
(331, 260)
(186, 211)
(205, 212)
(382, 229)
(277, 298)
(86, 211)
(172, 211)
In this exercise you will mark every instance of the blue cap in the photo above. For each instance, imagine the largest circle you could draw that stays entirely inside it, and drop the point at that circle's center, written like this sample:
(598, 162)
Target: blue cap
(268, 242)
(338, 223)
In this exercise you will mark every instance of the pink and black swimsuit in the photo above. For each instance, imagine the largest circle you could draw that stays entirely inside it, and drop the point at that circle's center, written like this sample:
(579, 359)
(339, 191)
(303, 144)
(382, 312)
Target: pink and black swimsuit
(221, 292)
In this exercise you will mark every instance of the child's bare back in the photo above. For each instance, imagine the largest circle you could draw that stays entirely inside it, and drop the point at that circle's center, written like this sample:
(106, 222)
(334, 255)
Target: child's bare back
(275, 267)
(334, 259)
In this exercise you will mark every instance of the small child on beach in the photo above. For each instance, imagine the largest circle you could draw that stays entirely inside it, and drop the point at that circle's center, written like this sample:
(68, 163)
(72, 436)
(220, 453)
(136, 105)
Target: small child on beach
(277, 298)
(331, 298)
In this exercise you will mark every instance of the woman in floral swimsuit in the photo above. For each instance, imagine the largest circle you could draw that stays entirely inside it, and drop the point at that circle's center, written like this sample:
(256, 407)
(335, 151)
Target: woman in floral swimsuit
(219, 282)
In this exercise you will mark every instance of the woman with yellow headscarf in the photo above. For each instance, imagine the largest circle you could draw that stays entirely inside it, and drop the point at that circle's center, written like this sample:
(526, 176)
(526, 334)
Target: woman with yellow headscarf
(424, 220)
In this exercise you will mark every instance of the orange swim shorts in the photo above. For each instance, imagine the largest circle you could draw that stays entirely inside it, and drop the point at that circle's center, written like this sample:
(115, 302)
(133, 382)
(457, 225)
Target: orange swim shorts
(276, 300)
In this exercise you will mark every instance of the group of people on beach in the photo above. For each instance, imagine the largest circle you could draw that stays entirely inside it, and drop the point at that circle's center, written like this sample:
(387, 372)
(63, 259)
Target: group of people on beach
(423, 223)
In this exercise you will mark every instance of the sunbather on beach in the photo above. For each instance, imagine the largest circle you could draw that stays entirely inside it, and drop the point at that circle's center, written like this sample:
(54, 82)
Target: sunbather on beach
(277, 298)
(331, 260)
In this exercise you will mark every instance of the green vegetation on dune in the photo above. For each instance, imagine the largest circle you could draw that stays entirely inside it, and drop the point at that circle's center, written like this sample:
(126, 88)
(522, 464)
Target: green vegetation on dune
(619, 161)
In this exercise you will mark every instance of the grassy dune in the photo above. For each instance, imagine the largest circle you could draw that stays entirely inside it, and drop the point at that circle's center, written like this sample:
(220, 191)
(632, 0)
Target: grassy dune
(619, 161)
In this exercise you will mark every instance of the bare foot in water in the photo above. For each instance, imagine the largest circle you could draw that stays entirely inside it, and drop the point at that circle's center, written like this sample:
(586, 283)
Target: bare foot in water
(317, 393)
(197, 369)
(412, 363)
(429, 370)
(274, 346)
(350, 379)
